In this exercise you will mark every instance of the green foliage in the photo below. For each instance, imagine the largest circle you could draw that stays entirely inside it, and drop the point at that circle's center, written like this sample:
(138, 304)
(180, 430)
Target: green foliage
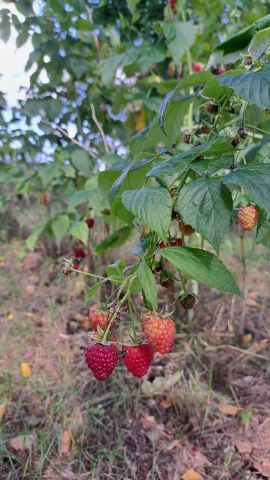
(104, 137)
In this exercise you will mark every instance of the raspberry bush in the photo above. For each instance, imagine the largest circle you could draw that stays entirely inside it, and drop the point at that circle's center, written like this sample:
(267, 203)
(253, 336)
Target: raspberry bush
(171, 149)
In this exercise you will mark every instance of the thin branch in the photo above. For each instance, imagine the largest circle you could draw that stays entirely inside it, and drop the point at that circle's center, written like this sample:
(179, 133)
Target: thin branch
(99, 127)
(76, 142)
(90, 18)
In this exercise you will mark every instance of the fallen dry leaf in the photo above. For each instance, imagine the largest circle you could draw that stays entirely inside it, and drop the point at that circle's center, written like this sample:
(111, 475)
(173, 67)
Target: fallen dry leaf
(67, 441)
(25, 370)
(243, 446)
(30, 289)
(191, 475)
(252, 303)
(231, 410)
(30, 315)
(10, 317)
(23, 442)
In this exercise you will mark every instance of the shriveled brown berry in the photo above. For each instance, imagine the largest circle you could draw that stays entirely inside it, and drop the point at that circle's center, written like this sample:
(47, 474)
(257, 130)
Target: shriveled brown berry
(242, 132)
(173, 192)
(186, 229)
(211, 107)
(248, 217)
(188, 301)
(204, 129)
(166, 282)
(175, 215)
(235, 141)
(248, 61)
(186, 138)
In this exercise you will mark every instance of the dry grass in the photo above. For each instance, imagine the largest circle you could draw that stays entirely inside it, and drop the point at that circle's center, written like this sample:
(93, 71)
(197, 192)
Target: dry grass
(126, 429)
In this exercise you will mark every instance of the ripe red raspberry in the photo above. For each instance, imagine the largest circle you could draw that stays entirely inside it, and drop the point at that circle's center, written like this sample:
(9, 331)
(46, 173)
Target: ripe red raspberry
(178, 242)
(162, 244)
(220, 70)
(197, 67)
(101, 359)
(186, 229)
(138, 358)
(188, 301)
(90, 222)
(97, 318)
(76, 264)
(160, 332)
(172, 4)
(79, 252)
(248, 217)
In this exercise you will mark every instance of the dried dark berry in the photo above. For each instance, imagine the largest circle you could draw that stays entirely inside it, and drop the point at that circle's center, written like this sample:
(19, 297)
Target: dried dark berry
(235, 141)
(242, 132)
(188, 301)
(211, 107)
(204, 129)
(186, 138)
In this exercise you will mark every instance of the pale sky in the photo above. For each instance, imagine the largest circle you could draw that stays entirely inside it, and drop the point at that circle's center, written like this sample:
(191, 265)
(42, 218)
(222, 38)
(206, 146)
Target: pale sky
(12, 64)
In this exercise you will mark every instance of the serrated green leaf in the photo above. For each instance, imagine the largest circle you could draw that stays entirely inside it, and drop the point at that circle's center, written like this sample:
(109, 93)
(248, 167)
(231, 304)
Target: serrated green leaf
(241, 39)
(60, 226)
(254, 87)
(79, 230)
(36, 234)
(210, 166)
(148, 284)
(115, 271)
(263, 154)
(259, 43)
(180, 37)
(92, 290)
(151, 205)
(202, 266)
(206, 205)
(132, 177)
(179, 163)
(163, 108)
(255, 180)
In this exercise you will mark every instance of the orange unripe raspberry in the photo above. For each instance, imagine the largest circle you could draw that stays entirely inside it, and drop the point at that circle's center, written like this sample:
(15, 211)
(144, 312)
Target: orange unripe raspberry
(160, 332)
(248, 217)
(97, 318)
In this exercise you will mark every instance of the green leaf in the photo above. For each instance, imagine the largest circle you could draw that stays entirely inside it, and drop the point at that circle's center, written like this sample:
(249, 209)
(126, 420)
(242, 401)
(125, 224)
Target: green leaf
(5, 29)
(79, 230)
(259, 43)
(92, 290)
(60, 226)
(210, 166)
(180, 37)
(255, 180)
(132, 5)
(148, 284)
(35, 235)
(213, 89)
(81, 160)
(263, 155)
(48, 173)
(22, 38)
(119, 211)
(180, 162)
(116, 239)
(132, 177)
(241, 39)
(110, 65)
(115, 271)
(163, 108)
(254, 87)
(206, 205)
(151, 205)
(202, 266)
